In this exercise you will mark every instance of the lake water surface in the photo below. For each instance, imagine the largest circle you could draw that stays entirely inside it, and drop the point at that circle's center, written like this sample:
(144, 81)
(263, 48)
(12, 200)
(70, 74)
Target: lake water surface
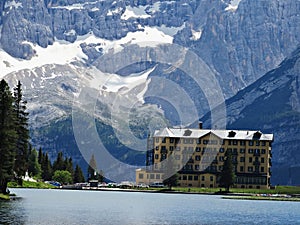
(105, 207)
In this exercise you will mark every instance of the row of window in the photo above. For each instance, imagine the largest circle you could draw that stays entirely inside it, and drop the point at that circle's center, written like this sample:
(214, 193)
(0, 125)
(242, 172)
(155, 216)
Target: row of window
(194, 177)
(209, 141)
(190, 149)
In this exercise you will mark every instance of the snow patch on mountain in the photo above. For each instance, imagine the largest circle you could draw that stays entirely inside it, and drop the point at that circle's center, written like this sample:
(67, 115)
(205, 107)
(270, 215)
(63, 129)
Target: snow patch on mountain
(135, 12)
(233, 6)
(63, 52)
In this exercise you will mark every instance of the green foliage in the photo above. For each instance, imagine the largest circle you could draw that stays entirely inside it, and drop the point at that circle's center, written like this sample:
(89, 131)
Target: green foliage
(227, 175)
(93, 173)
(30, 184)
(21, 127)
(34, 168)
(8, 136)
(78, 175)
(46, 167)
(63, 177)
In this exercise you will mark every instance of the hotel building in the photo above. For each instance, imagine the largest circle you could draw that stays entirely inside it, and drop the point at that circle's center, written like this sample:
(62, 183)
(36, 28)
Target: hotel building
(198, 156)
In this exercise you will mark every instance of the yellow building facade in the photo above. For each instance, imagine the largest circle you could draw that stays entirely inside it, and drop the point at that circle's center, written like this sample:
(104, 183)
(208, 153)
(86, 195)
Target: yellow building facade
(198, 156)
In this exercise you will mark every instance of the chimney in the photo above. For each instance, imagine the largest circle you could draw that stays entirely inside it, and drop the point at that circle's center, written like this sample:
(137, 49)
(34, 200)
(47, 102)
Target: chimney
(200, 124)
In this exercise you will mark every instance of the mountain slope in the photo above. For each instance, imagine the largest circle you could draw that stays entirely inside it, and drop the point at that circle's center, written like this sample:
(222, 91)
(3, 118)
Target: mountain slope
(272, 104)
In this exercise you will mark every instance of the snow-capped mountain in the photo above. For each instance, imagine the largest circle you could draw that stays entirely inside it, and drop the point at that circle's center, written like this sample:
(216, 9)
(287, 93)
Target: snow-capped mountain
(147, 61)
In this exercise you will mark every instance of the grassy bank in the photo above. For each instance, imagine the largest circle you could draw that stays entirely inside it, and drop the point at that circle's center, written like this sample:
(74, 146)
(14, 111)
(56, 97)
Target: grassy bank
(262, 198)
(29, 184)
(290, 190)
(4, 197)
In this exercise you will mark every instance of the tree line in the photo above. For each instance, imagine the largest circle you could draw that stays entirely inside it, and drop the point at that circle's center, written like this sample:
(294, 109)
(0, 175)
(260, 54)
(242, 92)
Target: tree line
(16, 154)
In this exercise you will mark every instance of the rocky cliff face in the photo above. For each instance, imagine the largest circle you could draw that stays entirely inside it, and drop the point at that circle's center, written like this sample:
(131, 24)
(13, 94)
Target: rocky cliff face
(239, 40)
(271, 104)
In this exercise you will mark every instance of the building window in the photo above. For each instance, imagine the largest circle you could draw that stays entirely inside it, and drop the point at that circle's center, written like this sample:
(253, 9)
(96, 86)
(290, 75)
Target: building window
(242, 150)
(262, 160)
(171, 140)
(141, 176)
(205, 142)
(220, 168)
(198, 149)
(163, 140)
(257, 143)
(157, 140)
(177, 148)
(211, 178)
(195, 177)
(250, 150)
(177, 157)
(250, 169)
(197, 158)
(262, 169)
(190, 177)
(199, 141)
(241, 168)
(152, 176)
(221, 150)
(157, 176)
(203, 178)
(263, 151)
(242, 143)
(184, 177)
(235, 142)
(263, 143)
(250, 143)
(222, 142)
(156, 156)
(229, 142)
(171, 148)
(156, 148)
(191, 141)
(250, 159)
(221, 158)
(211, 185)
(242, 159)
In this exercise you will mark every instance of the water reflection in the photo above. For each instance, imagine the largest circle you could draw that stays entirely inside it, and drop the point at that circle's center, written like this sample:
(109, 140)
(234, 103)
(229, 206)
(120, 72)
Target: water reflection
(12, 212)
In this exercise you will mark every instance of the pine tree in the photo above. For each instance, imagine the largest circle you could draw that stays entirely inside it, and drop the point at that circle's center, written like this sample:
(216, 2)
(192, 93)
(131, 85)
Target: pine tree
(92, 169)
(46, 167)
(7, 136)
(34, 168)
(93, 173)
(59, 163)
(69, 166)
(21, 120)
(78, 175)
(40, 156)
(227, 175)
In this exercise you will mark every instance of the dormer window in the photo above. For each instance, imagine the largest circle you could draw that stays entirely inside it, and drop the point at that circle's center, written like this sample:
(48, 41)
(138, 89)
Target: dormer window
(231, 134)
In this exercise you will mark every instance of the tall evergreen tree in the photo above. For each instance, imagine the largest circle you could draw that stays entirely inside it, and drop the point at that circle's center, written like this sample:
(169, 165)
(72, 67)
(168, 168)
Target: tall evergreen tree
(59, 163)
(92, 169)
(227, 175)
(34, 168)
(78, 175)
(21, 120)
(69, 166)
(46, 167)
(7, 136)
(93, 173)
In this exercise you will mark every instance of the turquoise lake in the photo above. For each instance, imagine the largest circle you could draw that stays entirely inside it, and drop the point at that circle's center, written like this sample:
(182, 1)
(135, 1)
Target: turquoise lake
(107, 207)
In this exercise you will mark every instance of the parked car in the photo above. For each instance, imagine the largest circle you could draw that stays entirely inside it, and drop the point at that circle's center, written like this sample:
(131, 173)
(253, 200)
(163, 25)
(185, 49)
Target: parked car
(142, 185)
(157, 185)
